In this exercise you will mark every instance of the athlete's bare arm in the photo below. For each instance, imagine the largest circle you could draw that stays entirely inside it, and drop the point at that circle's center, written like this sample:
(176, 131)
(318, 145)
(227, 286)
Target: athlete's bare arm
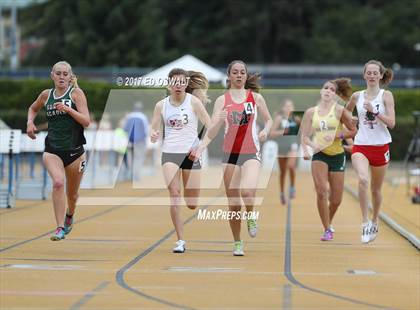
(201, 112)
(352, 102)
(306, 132)
(218, 118)
(389, 117)
(156, 122)
(350, 128)
(276, 130)
(205, 119)
(33, 111)
(268, 121)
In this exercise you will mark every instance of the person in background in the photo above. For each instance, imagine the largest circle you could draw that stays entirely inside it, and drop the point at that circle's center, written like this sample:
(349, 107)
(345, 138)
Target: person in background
(284, 131)
(137, 128)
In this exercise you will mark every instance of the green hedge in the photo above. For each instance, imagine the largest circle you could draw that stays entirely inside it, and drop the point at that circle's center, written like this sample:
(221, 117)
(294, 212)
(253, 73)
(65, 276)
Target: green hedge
(401, 137)
(19, 95)
(406, 101)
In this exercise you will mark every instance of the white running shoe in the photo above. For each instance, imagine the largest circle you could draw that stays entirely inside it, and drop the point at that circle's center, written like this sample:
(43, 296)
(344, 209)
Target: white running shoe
(366, 227)
(238, 248)
(374, 231)
(180, 246)
(332, 229)
(252, 227)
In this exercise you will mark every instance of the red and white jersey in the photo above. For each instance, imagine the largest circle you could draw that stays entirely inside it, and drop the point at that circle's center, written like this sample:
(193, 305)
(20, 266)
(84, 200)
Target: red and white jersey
(241, 128)
(372, 131)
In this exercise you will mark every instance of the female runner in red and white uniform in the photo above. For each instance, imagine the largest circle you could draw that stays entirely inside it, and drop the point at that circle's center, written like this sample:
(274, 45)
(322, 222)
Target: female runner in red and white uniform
(238, 109)
(375, 109)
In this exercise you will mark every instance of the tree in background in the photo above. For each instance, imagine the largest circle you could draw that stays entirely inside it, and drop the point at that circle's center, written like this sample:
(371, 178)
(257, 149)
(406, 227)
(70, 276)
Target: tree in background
(97, 33)
(149, 33)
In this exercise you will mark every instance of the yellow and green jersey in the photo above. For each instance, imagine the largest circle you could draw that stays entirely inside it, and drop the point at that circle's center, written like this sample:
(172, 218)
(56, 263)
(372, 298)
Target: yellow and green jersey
(327, 125)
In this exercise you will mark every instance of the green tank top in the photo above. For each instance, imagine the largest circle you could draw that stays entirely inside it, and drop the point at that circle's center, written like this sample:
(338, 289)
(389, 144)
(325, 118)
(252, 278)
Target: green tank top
(64, 133)
(285, 141)
(291, 125)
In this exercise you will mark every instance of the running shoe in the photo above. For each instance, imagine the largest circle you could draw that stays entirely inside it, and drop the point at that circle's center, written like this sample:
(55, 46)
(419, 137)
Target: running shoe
(282, 198)
(332, 229)
(292, 192)
(58, 235)
(252, 227)
(327, 236)
(68, 224)
(374, 231)
(180, 246)
(366, 227)
(238, 248)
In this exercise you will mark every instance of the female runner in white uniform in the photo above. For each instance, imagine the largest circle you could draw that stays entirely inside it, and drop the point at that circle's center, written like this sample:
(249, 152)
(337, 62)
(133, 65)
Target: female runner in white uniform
(180, 112)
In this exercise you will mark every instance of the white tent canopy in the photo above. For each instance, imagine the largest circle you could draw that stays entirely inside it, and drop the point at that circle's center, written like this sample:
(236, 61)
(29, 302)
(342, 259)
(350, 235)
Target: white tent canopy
(3, 125)
(186, 62)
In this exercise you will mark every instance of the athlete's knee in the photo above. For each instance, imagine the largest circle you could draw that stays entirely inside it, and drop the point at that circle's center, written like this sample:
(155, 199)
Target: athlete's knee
(376, 193)
(322, 192)
(248, 197)
(248, 193)
(58, 184)
(335, 201)
(233, 196)
(363, 181)
(174, 192)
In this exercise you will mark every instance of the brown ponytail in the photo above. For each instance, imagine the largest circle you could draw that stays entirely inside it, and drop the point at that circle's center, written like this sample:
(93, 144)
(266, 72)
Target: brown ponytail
(252, 80)
(343, 88)
(388, 76)
(387, 73)
(197, 80)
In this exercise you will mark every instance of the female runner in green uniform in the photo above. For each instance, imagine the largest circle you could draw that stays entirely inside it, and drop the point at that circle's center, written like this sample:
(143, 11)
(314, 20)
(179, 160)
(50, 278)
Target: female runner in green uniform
(64, 156)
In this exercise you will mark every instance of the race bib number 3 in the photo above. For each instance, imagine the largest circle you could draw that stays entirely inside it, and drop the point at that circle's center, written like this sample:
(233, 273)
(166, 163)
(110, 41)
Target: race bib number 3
(249, 108)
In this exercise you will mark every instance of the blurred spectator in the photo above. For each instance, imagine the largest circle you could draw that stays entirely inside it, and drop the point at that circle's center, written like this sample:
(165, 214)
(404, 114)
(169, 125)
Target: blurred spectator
(137, 128)
(105, 123)
(93, 125)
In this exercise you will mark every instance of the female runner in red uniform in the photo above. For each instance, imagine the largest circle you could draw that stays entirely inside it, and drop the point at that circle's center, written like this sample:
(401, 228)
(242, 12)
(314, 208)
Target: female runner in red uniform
(238, 109)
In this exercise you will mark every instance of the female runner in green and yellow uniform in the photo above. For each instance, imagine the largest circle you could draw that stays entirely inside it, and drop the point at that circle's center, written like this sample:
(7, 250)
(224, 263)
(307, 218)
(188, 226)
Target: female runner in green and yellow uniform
(324, 123)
